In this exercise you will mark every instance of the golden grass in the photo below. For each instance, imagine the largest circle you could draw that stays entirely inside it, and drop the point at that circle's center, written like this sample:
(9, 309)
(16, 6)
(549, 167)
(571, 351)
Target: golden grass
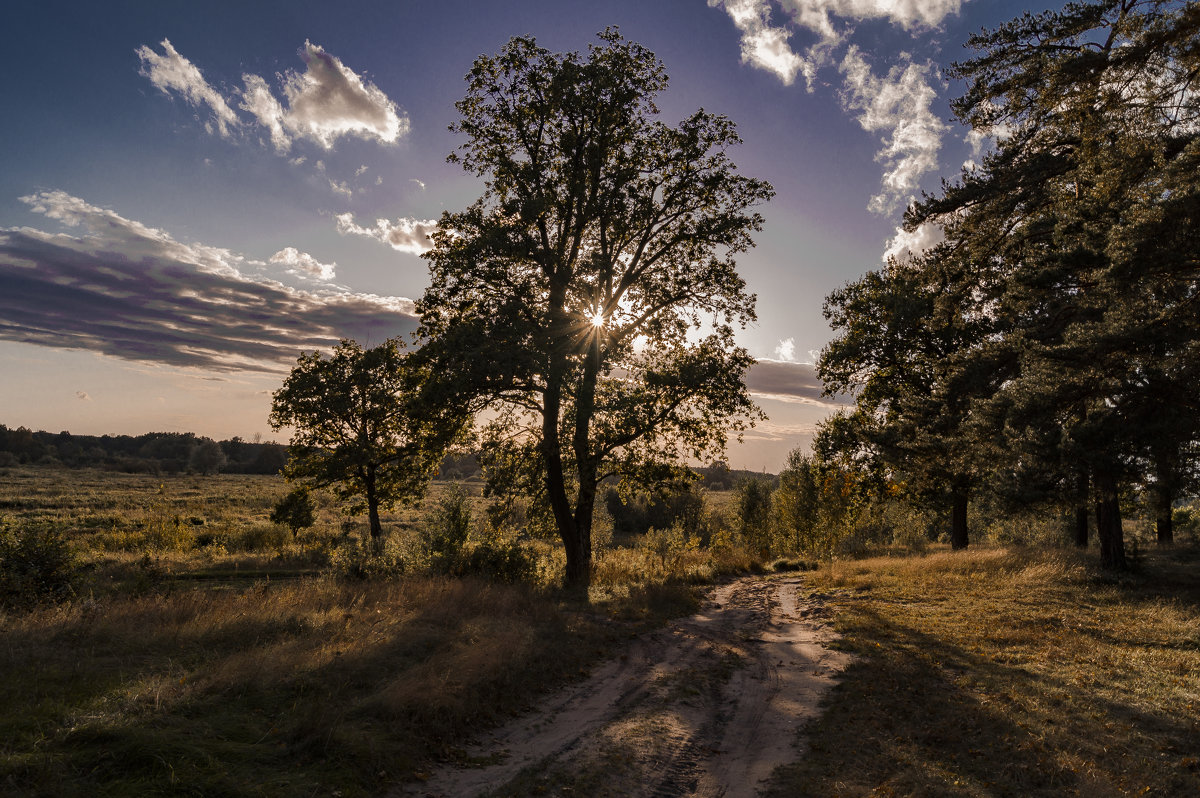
(276, 689)
(1010, 672)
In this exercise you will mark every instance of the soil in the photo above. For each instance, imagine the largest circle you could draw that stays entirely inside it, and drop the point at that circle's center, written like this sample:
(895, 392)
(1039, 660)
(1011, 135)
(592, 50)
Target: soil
(708, 706)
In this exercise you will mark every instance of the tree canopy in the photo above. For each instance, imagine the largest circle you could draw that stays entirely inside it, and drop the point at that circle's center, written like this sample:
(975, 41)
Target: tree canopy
(589, 297)
(1070, 260)
(356, 428)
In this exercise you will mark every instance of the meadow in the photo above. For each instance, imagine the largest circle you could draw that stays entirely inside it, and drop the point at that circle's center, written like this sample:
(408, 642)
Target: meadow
(206, 651)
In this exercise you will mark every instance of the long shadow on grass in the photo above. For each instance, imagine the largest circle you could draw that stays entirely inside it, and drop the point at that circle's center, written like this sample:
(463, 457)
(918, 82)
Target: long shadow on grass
(914, 715)
(249, 708)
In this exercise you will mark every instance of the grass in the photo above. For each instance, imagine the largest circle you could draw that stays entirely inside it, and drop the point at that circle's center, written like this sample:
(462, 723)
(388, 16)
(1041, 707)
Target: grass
(1005, 672)
(205, 656)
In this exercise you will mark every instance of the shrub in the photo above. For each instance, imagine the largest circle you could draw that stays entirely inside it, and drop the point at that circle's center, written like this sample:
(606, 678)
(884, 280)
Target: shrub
(296, 510)
(445, 531)
(37, 566)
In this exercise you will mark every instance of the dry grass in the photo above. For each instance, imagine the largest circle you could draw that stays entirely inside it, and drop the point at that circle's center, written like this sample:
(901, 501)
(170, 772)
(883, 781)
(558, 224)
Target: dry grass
(1010, 672)
(160, 678)
(278, 689)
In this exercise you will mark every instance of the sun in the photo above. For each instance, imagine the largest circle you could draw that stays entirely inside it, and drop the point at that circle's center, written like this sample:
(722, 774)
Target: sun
(597, 319)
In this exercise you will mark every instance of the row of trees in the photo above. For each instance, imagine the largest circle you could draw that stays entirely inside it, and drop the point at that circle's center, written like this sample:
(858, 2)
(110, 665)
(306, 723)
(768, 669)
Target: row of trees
(583, 309)
(153, 452)
(1049, 348)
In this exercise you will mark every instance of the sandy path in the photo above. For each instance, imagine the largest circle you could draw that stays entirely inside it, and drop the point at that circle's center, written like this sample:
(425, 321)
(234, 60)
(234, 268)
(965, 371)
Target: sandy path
(708, 706)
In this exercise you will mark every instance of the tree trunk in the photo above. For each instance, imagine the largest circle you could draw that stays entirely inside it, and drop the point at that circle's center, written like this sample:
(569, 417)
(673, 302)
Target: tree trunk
(1163, 522)
(1081, 511)
(959, 538)
(1108, 524)
(1164, 478)
(373, 511)
(578, 561)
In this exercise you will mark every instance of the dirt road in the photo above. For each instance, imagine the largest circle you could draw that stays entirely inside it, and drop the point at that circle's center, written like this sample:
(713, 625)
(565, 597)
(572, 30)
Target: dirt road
(709, 706)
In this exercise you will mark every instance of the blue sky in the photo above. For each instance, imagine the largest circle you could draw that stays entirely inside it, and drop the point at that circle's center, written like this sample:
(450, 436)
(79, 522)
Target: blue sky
(194, 192)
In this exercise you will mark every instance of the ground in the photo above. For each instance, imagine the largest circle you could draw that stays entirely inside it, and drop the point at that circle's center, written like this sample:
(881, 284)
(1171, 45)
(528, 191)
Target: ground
(708, 706)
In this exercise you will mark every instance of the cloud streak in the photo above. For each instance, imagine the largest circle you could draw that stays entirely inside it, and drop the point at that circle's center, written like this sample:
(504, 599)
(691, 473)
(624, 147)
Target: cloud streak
(898, 103)
(403, 235)
(788, 381)
(170, 72)
(322, 104)
(134, 292)
(764, 45)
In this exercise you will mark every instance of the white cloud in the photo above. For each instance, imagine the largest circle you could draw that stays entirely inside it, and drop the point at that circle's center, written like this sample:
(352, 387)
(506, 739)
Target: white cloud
(83, 396)
(405, 235)
(911, 15)
(786, 349)
(329, 100)
(360, 171)
(898, 103)
(420, 183)
(904, 246)
(340, 187)
(258, 100)
(764, 45)
(322, 104)
(133, 291)
(303, 265)
(171, 71)
(786, 381)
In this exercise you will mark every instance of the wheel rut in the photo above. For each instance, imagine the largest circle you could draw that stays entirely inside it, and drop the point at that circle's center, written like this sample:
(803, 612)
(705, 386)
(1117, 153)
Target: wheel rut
(708, 706)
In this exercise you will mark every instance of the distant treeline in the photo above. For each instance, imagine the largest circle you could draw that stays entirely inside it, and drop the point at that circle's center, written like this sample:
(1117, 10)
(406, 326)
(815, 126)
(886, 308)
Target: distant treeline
(151, 453)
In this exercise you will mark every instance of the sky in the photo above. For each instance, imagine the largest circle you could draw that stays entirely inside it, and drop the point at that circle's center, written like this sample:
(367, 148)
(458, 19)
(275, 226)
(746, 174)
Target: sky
(194, 193)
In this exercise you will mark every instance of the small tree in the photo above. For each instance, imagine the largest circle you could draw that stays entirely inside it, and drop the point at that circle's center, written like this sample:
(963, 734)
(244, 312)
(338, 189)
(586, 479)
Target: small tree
(356, 429)
(296, 510)
(206, 457)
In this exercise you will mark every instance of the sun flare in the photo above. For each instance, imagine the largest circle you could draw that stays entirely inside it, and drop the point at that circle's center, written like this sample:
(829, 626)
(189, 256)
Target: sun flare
(597, 319)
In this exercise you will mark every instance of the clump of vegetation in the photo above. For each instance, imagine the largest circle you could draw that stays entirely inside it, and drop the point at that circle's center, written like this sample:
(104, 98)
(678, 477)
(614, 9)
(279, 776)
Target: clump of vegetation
(296, 510)
(37, 565)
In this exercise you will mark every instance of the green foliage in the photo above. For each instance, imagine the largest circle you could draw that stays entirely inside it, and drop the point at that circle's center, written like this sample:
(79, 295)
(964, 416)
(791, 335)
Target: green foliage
(37, 565)
(599, 227)
(666, 547)
(356, 428)
(296, 510)
(753, 508)
(445, 531)
(673, 503)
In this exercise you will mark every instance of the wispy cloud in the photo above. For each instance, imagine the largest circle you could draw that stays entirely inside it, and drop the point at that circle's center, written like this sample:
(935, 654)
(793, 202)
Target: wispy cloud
(82, 396)
(405, 235)
(325, 102)
(898, 103)
(131, 291)
(170, 71)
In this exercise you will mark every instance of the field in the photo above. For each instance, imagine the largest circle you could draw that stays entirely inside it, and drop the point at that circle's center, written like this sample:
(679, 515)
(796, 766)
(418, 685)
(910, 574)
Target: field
(207, 652)
(1010, 672)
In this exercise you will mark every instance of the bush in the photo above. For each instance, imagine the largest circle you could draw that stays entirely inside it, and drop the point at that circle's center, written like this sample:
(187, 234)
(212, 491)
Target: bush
(500, 562)
(296, 510)
(37, 566)
(445, 531)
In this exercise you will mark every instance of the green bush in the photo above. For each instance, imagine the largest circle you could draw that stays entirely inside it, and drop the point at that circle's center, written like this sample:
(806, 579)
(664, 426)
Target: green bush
(445, 531)
(500, 562)
(297, 510)
(37, 566)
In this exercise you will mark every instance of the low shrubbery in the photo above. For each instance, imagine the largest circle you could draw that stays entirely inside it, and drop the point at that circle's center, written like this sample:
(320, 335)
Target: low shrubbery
(37, 565)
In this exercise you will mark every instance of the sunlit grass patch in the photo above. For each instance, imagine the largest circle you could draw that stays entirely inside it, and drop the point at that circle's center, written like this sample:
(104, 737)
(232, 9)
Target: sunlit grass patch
(1009, 672)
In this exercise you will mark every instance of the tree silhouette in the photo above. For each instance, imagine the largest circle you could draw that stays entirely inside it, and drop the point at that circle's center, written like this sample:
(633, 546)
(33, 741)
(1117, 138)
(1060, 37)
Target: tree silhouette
(569, 298)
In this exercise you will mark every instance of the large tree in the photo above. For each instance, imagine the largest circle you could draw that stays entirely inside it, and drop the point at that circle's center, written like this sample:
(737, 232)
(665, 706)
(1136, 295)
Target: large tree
(356, 427)
(1080, 231)
(589, 297)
